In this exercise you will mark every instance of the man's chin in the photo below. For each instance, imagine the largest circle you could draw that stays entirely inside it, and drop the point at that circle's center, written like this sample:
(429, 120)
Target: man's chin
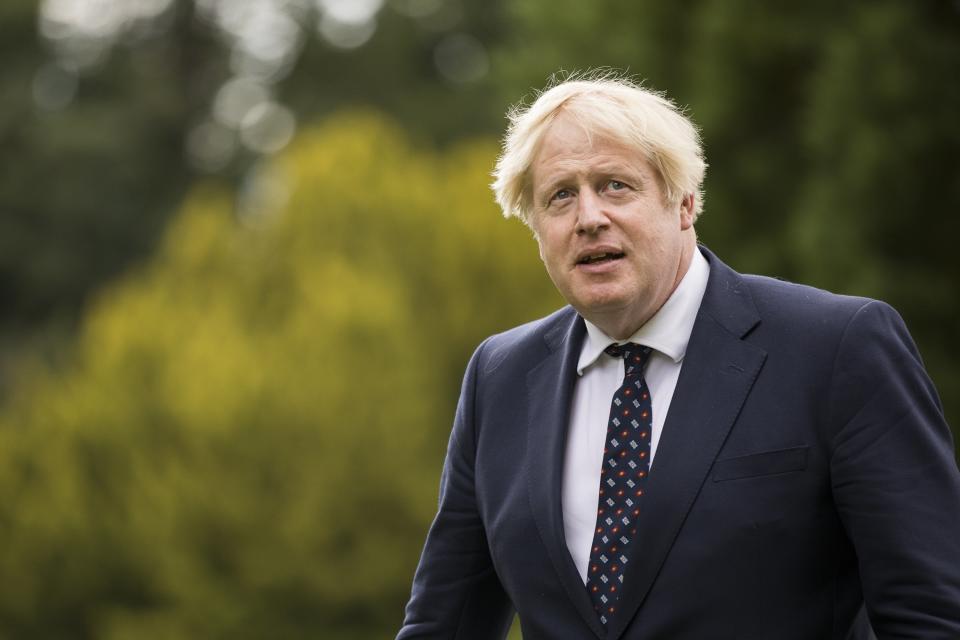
(601, 306)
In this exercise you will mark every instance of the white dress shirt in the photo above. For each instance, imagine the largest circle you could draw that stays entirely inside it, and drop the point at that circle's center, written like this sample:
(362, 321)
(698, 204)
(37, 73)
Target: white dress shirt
(667, 333)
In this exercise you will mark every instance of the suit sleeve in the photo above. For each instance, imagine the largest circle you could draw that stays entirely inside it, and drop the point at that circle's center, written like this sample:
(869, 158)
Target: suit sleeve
(895, 479)
(456, 592)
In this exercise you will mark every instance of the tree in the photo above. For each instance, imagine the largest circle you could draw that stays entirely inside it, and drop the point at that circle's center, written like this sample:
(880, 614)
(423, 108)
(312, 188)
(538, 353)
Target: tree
(113, 110)
(247, 441)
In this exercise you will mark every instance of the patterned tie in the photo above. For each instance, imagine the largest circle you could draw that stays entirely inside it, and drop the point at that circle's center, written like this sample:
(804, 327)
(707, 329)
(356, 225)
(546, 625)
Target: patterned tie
(626, 465)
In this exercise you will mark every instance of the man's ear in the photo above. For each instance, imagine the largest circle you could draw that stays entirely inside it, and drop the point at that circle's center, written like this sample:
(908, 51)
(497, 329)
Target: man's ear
(686, 211)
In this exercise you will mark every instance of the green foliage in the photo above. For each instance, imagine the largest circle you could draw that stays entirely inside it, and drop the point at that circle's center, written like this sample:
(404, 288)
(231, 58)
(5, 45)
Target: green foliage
(86, 191)
(247, 443)
(88, 187)
(877, 215)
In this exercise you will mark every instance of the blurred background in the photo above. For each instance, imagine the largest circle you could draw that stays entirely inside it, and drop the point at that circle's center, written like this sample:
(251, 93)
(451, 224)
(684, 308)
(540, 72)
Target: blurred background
(247, 247)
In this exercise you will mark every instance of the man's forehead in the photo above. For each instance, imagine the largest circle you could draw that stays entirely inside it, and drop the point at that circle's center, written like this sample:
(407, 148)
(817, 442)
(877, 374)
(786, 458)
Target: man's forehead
(571, 132)
(570, 147)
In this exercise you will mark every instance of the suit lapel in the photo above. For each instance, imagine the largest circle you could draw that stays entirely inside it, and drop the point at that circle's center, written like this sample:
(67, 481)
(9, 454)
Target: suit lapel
(550, 388)
(718, 372)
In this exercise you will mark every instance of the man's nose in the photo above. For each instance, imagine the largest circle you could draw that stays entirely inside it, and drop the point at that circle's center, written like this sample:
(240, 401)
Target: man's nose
(591, 214)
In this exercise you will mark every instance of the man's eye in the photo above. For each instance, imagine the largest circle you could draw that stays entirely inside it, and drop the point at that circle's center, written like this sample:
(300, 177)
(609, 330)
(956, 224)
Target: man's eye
(562, 194)
(616, 185)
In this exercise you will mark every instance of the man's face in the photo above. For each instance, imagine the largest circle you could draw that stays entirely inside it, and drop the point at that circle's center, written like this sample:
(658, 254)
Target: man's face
(613, 246)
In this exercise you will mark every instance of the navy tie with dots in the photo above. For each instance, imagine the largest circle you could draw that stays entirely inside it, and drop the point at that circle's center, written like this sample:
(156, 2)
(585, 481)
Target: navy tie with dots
(626, 465)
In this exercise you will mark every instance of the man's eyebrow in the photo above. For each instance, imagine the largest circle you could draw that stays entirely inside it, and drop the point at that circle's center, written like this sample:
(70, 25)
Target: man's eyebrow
(543, 195)
(548, 185)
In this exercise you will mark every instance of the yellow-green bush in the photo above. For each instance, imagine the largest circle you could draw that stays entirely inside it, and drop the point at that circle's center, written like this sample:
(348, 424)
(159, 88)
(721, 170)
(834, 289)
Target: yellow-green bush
(247, 438)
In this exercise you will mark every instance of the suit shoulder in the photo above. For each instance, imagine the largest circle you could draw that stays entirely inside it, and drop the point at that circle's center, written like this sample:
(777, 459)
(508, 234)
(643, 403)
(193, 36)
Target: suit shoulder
(802, 321)
(784, 308)
(525, 342)
(803, 304)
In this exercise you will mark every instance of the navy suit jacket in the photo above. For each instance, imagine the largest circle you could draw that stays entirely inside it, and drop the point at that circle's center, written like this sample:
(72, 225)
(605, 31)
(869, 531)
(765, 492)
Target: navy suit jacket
(805, 476)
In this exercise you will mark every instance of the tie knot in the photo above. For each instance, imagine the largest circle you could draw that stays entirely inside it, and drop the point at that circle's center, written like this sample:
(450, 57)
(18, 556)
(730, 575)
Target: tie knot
(634, 356)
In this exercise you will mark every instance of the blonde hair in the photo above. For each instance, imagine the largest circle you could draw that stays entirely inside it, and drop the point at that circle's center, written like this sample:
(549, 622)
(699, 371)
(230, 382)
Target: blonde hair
(614, 108)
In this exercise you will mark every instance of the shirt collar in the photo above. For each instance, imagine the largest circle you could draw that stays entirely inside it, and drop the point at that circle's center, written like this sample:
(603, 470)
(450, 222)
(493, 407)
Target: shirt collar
(668, 331)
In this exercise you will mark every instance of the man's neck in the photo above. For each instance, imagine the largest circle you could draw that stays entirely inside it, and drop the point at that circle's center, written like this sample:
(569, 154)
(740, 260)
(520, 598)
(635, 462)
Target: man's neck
(622, 323)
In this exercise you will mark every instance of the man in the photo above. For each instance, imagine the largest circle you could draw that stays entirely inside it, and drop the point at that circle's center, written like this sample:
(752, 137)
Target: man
(684, 452)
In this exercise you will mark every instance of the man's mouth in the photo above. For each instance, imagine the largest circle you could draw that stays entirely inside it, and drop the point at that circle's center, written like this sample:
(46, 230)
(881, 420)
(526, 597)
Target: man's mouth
(596, 258)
